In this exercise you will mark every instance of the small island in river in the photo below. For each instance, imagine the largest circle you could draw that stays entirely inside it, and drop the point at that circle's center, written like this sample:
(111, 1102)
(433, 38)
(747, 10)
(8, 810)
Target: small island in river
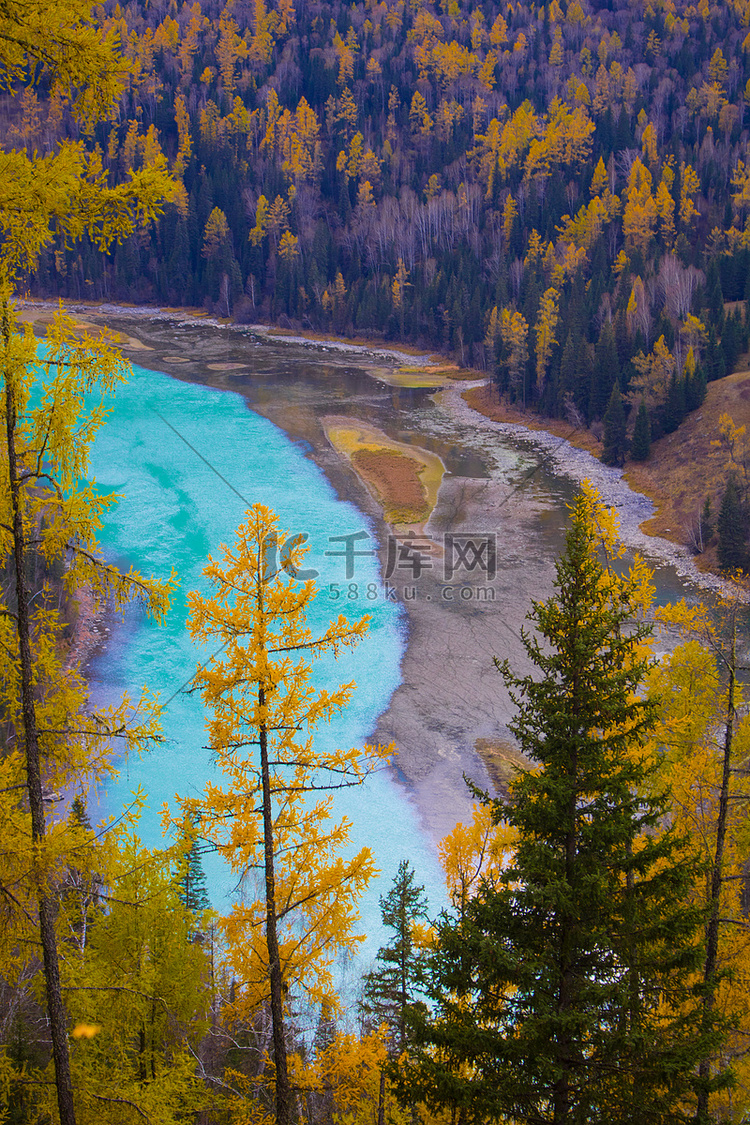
(469, 515)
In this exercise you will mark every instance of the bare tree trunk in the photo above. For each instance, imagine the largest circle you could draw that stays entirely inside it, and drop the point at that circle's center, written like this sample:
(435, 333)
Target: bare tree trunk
(712, 929)
(283, 1090)
(46, 904)
(381, 1098)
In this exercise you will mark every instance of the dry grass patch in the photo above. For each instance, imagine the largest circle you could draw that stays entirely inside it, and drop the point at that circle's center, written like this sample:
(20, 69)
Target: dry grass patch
(485, 401)
(404, 479)
(396, 480)
(502, 760)
(685, 467)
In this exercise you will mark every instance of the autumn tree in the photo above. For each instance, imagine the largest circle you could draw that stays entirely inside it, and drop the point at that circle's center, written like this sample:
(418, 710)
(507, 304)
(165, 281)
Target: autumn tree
(545, 334)
(272, 813)
(53, 402)
(564, 993)
(136, 984)
(46, 509)
(513, 335)
(640, 214)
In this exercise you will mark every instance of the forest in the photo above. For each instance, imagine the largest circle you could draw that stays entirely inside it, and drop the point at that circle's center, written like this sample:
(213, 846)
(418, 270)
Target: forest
(557, 197)
(554, 194)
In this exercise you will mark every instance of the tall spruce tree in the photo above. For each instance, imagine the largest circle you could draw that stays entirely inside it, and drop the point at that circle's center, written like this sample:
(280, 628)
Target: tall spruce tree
(731, 527)
(714, 295)
(564, 993)
(640, 446)
(615, 430)
(606, 371)
(191, 887)
(391, 989)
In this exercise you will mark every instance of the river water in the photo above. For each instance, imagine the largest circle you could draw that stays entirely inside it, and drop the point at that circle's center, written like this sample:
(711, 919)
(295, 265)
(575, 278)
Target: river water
(188, 457)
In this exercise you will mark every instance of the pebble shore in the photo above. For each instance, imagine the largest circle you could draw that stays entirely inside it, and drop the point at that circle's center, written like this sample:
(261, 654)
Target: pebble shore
(578, 465)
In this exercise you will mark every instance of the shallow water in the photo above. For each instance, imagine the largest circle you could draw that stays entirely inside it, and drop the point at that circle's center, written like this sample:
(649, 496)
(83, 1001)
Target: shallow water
(177, 509)
(175, 512)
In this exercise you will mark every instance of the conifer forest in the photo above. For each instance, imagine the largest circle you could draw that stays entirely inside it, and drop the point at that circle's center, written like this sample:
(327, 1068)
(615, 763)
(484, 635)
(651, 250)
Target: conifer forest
(555, 199)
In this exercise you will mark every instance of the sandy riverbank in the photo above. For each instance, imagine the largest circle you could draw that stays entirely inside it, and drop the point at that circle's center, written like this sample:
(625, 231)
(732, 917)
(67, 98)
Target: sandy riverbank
(449, 717)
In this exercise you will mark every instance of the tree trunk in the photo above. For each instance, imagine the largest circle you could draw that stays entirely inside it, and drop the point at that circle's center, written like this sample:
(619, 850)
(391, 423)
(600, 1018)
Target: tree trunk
(47, 906)
(712, 929)
(283, 1090)
(381, 1098)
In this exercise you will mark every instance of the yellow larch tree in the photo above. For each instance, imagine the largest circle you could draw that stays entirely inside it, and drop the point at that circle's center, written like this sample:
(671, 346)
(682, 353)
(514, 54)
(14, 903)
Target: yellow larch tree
(270, 816)
(189, 43)
(230, 48)
(514, 333)
(639, 216)
(135, 978)
(47, 511)
(215, 234)
(262, 42)
(49, 517)
(702, 745)
(258, 232)
(398, 291)
(665, 205)
(545, 333)
(654, 374)
(473, 853)
(289, 246)
(690, 186)
(510, 212)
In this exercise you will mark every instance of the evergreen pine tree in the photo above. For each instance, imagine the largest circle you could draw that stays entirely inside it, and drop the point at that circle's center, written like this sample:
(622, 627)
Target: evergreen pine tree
(564, 991)
(732, 529)
(191, 888)
(606, 371)
(674, 409)
(707, 527)
(640, 446)
(695, 388)
(731, 342)
(79, 816)
(390, 991)
(714, 359)
(615, 430)
(575, 377)
(714, 296)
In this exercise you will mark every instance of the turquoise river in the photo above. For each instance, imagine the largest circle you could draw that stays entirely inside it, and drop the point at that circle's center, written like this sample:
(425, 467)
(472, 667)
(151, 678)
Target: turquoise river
(175, 511)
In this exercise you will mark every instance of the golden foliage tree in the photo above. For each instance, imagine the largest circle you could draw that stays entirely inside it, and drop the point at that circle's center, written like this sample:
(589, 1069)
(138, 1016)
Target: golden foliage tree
(264, 817)
(703, 744)
(545, 333)
(46, 512)
(514, 333)
(49, 516)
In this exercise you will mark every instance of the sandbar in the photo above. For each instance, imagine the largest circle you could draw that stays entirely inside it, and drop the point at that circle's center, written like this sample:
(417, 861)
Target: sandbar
(404, 479)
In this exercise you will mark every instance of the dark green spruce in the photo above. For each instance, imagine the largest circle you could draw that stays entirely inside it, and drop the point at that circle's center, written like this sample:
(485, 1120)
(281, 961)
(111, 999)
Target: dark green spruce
(547, 995)
(615, 430)
(731, 527)
(392, 987)
(640, 446)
